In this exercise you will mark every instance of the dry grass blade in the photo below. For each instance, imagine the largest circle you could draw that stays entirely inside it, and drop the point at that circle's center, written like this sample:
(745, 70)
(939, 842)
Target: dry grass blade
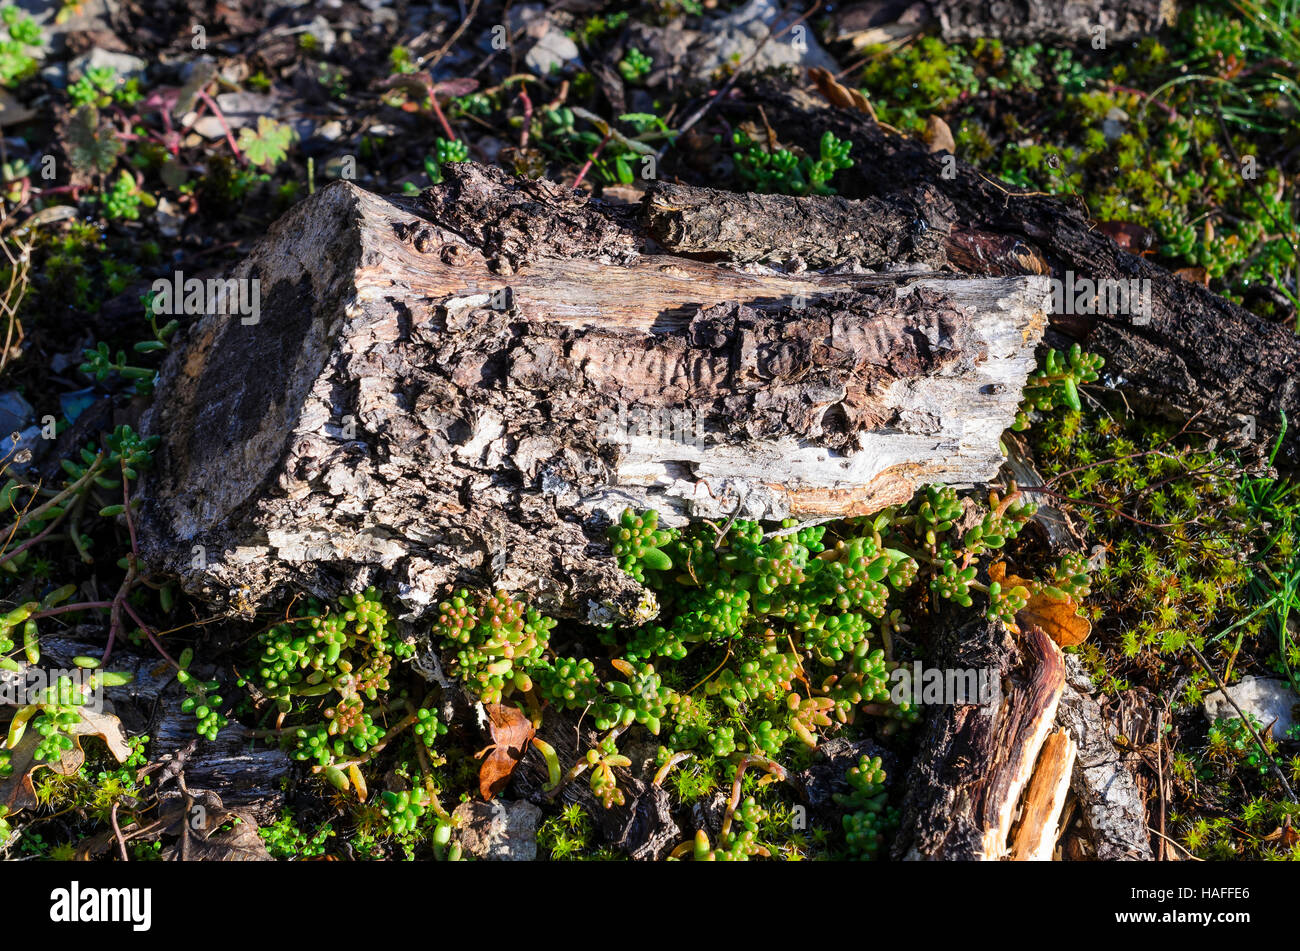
(18, 253)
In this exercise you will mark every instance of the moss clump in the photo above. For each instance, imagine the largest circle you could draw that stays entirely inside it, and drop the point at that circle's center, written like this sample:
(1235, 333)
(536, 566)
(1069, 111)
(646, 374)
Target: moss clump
(1180, 549)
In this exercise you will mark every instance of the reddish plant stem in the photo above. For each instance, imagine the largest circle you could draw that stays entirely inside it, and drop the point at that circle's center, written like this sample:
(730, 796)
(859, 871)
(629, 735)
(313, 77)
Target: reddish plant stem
(115, 615)
(221, 118)
(437, 111)
(587, 167)
(528, 116)
(79, 606)
(34, 540)
(149, 634)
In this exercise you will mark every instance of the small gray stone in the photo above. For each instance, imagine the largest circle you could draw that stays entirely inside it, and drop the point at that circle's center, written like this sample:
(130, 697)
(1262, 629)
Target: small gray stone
(733, 38)
(551, 52)
(498, 831)
(56, 75)
(551, 47)
(210, 127)
(324, 35)
(1115, 124)
(1266, 699)
(245, 108)
(15, 412)
(331, 131)
(124, 64)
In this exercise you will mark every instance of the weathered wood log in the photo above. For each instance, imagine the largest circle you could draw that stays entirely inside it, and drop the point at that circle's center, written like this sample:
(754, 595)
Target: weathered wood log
(974, 760)
(466, 387)
(747, 227)
(879, 21)
(1190, 351)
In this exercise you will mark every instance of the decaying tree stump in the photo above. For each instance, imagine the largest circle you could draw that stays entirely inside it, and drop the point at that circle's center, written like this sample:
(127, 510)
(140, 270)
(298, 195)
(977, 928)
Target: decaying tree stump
(467, 386)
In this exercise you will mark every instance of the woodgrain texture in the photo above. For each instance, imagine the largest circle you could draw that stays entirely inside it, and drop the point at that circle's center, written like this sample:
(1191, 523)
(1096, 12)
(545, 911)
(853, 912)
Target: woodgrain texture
(1036, 832)
(974, 762)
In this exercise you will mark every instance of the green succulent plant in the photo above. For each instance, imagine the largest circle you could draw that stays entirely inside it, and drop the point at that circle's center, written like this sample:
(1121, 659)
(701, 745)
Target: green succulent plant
(782, 171)
(203, 700)
(496, 642)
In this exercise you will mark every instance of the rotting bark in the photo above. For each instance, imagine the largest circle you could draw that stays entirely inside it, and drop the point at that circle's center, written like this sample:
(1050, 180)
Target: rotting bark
(1198, 352)
(746, 227)
(974, 761)
(1016, 21)
(439, 390)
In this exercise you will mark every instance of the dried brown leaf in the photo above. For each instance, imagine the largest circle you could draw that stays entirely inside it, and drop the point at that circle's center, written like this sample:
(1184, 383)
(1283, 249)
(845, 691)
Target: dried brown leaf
(511, 733)
(18, 792)
(1129, 236)
(837, 94)
(208, 841)
(938, 137)
(105, 726)
(1196, 275)
(1059, 619)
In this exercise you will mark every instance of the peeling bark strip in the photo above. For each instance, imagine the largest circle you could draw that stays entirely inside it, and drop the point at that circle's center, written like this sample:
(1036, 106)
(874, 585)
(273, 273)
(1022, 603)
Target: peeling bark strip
(1040, 821)
(974, 763)
(467, 386)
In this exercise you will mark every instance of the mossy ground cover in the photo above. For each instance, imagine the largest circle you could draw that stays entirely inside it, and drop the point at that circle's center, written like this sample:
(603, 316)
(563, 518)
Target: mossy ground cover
(771, 640)
(1161, 137)
(1194, 552)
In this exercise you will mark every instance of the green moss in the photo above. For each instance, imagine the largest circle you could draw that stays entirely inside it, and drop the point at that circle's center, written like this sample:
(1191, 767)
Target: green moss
(1185, 135)
(1182, 549)
(1195, 547)
(567, 835)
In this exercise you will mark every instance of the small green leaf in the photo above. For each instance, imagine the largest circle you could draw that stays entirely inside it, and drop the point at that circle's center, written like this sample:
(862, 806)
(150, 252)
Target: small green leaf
(1071, 394)
(269, 145)
(656, 560)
